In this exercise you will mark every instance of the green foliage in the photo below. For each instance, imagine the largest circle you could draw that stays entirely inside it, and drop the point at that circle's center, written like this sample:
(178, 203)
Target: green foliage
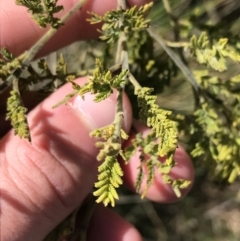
(101, 83)
(139, 55)
(43, 11)
(213, 55)
(8, 63)
(158, 120)
(212, 130)
(149, 163)
(164, 133)
(109, 179)
(110, 171)
(6, 55)
(112, 145)
(116, 21)
(216, 123)
(16, 112)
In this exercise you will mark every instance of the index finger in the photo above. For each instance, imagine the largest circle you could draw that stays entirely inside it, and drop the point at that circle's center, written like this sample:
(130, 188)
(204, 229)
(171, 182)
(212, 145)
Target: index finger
(19, 32)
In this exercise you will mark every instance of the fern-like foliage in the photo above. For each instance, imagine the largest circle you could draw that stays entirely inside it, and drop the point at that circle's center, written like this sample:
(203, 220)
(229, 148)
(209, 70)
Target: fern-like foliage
(158, 120)
(8, 63)
(220, 142)
(101, 83)
(109, 178)
(16, 112)
(213, 128)
(43, 11)
(6, 55)
(213, 55)
(110, 171)
(27, 78)
(151, 164)
(216, 123)
(161, 142)
(132, 20)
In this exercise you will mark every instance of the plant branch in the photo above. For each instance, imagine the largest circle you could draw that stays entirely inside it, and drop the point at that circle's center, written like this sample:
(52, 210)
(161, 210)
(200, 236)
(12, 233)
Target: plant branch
(176, 44)
(175, 24)
(29, 55)
(118, 117)
(122, 4)
(16, 112)
(122, 52)
(173, 19)
(121, 57)
(134, 82)
(36, 47)
(122, 39)
(168, 9)
(175, 58)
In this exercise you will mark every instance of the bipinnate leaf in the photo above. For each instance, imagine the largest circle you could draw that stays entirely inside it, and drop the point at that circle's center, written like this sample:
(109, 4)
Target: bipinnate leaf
(109, 178)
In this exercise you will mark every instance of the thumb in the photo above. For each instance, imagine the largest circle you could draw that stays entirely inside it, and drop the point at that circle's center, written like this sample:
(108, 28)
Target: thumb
(42, 182)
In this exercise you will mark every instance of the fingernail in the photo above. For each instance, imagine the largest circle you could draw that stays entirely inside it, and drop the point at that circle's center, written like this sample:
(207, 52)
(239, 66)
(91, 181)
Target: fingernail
(92, 114)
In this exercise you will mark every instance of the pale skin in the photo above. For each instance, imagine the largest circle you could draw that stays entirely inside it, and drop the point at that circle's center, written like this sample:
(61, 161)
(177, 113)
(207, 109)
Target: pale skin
(43, 182)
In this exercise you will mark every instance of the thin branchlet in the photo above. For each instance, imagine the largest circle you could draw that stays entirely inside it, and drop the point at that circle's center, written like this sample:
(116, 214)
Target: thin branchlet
(43, 11)
(25, 59)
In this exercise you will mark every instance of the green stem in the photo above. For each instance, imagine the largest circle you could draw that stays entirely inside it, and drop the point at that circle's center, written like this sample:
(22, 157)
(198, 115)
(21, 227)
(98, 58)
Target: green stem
(122, 51)
(121, 45)
(15, 85)
(121, 57)
(41, 42)
(176, 44)
(118, 116)
(66, 99)
(29, 55)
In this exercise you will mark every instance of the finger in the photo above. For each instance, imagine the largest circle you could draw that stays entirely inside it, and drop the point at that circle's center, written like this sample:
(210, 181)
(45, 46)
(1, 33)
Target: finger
(42, 182)
(106, 225)
(159, 191)
(19, 32)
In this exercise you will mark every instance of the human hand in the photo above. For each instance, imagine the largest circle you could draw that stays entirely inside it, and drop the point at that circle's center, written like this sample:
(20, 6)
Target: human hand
(43, 182)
